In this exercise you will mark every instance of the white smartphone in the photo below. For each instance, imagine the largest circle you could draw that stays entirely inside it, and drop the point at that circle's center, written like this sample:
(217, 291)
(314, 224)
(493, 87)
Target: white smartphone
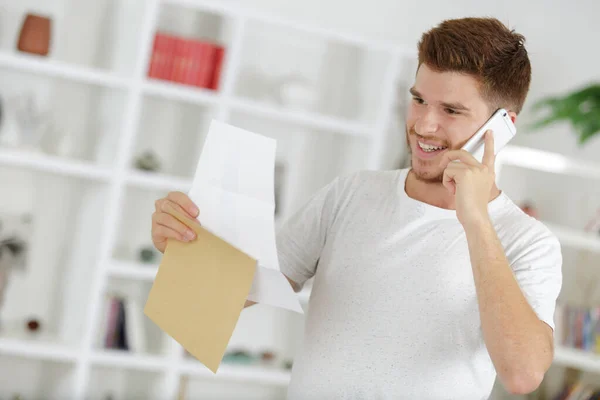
(502, 128)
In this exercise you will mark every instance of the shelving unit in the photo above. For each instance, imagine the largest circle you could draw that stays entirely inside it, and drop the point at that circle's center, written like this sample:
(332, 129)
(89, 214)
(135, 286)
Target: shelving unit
(97, 75)
(570, 238)
(577, 359)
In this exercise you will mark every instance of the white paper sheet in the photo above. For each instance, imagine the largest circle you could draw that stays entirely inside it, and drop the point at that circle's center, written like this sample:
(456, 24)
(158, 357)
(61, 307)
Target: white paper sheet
(234, 189)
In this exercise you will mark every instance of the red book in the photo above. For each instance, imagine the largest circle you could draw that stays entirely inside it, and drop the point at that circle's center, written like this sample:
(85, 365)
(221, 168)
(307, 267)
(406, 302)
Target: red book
(218, 66)
(158, 55)
(178, 55)
(186, 55)
(168, 58)
(206, 59)
(195, 63)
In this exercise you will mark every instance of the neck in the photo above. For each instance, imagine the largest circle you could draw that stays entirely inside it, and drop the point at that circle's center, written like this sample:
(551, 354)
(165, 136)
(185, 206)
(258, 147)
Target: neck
(434, 193)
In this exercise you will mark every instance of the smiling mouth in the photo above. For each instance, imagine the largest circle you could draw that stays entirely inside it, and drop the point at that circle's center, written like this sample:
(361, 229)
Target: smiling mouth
(428, 148)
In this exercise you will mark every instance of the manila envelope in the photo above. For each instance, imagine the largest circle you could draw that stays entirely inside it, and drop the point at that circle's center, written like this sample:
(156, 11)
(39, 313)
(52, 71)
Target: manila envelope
(199, 292)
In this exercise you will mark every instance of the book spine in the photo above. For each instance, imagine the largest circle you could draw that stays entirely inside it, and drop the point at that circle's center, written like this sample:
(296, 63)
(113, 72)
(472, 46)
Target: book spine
(218, 66)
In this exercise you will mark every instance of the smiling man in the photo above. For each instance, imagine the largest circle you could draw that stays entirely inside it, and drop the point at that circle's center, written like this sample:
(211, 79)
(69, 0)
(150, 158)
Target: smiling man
(429, 282)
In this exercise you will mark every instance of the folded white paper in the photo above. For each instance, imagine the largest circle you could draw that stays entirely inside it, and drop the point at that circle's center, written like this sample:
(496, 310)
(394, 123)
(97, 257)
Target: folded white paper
(234, 189)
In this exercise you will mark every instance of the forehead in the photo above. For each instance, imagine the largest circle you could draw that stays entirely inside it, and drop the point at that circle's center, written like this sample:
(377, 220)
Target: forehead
(447, 86)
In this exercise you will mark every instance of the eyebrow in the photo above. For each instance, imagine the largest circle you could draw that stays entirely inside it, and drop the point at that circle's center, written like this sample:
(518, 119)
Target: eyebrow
(454, 106)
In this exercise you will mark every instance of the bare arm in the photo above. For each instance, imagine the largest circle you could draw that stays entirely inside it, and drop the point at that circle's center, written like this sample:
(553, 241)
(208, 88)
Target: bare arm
(519, 343)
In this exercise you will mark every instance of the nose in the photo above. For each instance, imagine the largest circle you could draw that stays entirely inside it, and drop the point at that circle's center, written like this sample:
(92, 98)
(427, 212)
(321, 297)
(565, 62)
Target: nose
(427, 123)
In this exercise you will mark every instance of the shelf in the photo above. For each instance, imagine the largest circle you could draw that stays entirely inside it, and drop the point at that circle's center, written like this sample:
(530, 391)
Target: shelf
(575, 238)
(235, 11)
(132, 270)
(575, 358)
(259, 375)
(53, 164)
(179, 92)
(44, 66)
(37, 350)
(312, 120)
(124, 359)
(151, 180)
(548, 162)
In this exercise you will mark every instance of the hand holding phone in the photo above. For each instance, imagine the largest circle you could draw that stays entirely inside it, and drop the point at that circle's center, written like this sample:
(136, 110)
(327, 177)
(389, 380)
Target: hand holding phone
(502, 128)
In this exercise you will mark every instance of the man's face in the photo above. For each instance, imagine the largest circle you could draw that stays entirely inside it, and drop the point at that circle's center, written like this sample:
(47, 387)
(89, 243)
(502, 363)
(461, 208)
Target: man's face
(445, 111)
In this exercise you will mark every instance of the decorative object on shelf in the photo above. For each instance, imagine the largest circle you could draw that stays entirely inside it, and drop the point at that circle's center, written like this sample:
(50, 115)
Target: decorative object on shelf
(26, 124)
(33, 325)
(35, 35)
(148, 255)
(581, 108)
(148, 161)
(288, 364)
(239, 357)
(295, 92)
(267, 357)
(529, 209)
(187, 61)
(14, 232)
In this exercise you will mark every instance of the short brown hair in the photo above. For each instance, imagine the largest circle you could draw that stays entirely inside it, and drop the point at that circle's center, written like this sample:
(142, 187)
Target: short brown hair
(485, 49)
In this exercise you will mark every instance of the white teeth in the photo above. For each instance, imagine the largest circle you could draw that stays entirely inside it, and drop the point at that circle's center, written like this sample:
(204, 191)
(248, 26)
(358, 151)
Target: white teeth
(428, 147)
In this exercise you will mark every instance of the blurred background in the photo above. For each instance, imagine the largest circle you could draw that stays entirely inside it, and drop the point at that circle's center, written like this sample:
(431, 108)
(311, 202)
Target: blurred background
(104, 107)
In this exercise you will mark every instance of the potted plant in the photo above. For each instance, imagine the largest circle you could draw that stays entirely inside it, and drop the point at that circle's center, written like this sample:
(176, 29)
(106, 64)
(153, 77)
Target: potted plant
(580, 108)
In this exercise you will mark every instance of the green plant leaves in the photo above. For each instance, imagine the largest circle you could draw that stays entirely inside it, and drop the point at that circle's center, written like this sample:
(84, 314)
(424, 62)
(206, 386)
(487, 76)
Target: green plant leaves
(580, 108)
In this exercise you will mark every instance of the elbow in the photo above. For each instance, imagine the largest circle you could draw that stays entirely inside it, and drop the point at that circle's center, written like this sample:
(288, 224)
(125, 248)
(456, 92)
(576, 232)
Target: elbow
(523, 383)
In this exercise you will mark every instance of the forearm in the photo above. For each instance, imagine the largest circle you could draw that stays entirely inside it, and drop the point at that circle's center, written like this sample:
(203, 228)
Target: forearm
(517, 341)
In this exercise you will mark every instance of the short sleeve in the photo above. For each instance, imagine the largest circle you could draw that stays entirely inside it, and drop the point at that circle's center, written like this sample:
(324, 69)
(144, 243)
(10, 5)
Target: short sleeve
(539, 274)
(301, 239)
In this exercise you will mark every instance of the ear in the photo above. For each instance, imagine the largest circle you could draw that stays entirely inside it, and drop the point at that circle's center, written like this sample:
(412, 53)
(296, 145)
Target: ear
(513, 116)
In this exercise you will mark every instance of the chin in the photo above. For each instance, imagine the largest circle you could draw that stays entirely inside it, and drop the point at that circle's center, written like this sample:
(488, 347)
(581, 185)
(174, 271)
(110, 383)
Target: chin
(426, 171)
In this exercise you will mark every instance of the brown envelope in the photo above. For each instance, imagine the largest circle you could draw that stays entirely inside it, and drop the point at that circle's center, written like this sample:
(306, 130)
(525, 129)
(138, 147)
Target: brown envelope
(199, 292)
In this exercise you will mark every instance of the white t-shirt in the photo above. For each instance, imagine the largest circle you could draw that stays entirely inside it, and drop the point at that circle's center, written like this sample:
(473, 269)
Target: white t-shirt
(393, 312)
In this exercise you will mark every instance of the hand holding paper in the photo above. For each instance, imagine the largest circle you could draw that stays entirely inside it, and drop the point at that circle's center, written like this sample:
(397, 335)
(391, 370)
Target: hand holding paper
(201, 285)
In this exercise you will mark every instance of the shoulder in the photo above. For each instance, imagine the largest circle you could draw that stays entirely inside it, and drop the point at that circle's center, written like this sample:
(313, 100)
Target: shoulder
(524, 236)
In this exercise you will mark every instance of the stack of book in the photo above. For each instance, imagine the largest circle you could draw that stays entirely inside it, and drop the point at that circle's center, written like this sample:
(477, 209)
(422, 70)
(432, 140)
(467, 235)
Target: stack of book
(186, 61)
(123, 325)
(580, 327)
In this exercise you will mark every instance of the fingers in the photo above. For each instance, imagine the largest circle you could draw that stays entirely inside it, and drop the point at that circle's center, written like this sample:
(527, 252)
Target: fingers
(488, 153)
(184, 202)
(450, 174)
(461, 155)
(165, 225)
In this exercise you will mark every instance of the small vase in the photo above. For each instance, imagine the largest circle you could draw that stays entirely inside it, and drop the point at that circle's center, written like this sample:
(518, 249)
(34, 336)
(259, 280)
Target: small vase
(35, 35)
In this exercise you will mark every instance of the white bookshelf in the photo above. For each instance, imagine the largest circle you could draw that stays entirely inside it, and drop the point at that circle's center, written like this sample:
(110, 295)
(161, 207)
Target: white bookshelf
(578, 359)
(111, 201)
(567, 168)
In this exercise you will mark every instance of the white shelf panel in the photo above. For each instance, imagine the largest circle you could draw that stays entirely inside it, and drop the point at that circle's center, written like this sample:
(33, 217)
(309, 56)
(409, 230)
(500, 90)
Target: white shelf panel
(132, 270)
(44, 66)
(302, 118)
(253, 374)
(548, 162)
(575, 238)
(127, 360)
(37, 350)
(577, 359)
(53, 164)
(235, 10)
(151, 180)
(180, 92)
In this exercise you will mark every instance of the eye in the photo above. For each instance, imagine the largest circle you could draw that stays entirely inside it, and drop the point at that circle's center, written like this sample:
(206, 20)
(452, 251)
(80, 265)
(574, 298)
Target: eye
(418, 100)
(452, 111)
